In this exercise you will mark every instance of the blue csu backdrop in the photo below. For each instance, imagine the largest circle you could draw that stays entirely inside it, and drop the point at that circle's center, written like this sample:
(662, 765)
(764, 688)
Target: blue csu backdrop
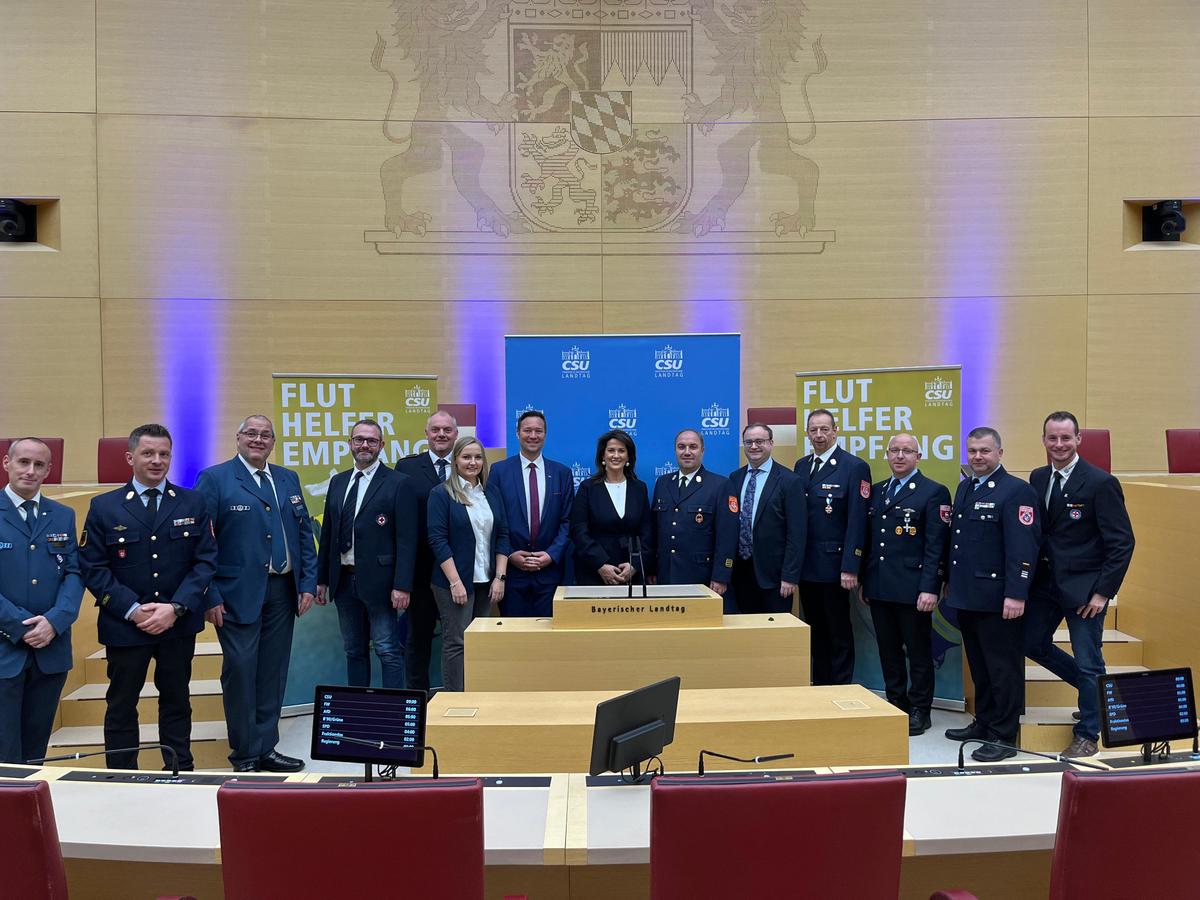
(648, 385)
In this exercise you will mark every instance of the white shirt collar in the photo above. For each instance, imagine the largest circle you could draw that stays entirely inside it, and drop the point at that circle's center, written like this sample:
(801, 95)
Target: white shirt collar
(540, 462)
(433, 458)
(1067, 469)
(467, 486)
(17, 499)
(254, 471)
(824, 457)
(368, 471)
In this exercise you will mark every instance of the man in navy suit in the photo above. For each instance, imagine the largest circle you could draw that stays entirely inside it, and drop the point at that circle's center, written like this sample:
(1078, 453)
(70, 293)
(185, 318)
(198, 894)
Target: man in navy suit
(992, 553)
(266, 577)
(148, 556)
(537, 496)
(40, 590)
(692, 525)
(427, 469)
(366, 555)
(907, 525)
(837, 485)
(1087, 544)
(769, 504)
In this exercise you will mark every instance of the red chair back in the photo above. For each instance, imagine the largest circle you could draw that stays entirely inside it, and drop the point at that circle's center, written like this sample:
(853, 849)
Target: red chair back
(1127, 834)
(56, 459)
(719, 837)
(427, 836)
(30, 856)
(1096, 447)
(1183, 450)
(111, 467)
(771, 415)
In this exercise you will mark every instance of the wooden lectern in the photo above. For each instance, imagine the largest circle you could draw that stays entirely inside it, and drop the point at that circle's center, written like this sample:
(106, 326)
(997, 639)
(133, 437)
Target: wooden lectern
(664, 606)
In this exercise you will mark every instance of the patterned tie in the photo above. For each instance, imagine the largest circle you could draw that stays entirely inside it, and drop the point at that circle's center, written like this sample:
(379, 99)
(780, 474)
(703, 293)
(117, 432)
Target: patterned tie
(746, 519)
(346, 522)
(30, 508)
(535, 504)
(441, 467)
(278, 538)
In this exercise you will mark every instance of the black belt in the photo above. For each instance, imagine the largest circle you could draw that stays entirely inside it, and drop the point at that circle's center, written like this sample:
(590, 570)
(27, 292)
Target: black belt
(347, 570)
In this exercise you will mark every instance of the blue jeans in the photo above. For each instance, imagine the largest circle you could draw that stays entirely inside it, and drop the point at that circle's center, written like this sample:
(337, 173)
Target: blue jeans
(1042, 617)
(366, 624)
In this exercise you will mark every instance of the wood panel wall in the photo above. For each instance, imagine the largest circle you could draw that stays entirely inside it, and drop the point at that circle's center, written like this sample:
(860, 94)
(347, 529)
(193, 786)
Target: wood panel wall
(219, 173)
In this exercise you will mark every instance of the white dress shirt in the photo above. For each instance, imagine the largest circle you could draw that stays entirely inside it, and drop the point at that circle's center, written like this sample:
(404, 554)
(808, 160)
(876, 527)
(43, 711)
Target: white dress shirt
(540, 470)
(363, 483)
(1066, 476)
(480, 513)
(616, 493)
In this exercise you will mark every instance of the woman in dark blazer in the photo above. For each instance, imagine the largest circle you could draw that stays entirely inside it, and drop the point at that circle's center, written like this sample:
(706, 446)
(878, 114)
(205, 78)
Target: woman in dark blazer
(468, 534)
(611, 508)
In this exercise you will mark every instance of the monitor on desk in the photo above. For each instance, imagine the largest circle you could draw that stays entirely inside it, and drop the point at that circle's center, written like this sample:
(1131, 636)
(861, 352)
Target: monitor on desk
(1147, 707)
(373, 726)
(634, 727)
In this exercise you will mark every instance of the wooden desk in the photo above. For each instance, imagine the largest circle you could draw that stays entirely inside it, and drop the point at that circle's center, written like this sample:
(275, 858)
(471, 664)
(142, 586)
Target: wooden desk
(552, 730)
(530, 655)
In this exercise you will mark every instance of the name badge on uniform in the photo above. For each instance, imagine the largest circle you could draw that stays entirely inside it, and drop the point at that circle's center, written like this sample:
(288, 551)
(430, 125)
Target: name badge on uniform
(241, 507)
(5, 545)
(187, 520)
(984, 505)
(57, 538)
(296, 498)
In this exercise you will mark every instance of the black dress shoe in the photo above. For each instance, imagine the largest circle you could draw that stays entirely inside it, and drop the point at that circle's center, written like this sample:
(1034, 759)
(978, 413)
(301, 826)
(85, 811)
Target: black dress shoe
(246, 767)
(918, 722)
(277, 762)
(972, 732)
(989, 753)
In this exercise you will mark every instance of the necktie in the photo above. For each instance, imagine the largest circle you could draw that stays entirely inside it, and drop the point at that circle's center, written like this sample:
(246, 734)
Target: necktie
(151, 496)
(1056, 494)
(746, 518)
(978, 482)
(441, 467)
(278, 538)
(895, 489)
(816, 465)
(683, 480)
(30, 507)
(535, 504)
(346, 522)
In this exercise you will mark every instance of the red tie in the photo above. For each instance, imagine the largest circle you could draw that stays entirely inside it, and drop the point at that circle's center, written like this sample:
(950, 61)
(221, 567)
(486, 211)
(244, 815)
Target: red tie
(535, 512)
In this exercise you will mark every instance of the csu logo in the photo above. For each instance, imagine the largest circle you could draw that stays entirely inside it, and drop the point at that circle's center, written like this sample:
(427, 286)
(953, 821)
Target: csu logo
(668, 362)
(665, 469)
(623, 417)
(579, 473)
(417, 397)
(714, 419)
(939, 392)
(576, 363)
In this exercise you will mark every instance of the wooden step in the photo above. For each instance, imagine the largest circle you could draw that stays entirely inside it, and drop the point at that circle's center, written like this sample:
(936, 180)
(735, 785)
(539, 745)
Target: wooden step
(1043, 688)
(210, 746)
(1120, 649)
(85, 705)
(205, 664)
(1048, 728)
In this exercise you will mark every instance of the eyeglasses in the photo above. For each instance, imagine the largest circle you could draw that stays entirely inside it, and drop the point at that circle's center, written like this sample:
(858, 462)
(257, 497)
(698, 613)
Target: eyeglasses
(901, 451)
(259, 435)
(365, 441)
(757, 442)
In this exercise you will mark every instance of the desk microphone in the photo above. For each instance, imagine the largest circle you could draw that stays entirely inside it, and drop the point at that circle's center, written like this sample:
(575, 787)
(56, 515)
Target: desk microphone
(752, 761)
(90, 753)
(634, 544)
(1057, 757)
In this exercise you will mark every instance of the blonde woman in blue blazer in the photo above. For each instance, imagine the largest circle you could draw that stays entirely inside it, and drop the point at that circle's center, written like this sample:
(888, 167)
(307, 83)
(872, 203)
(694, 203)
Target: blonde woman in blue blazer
(468, 534)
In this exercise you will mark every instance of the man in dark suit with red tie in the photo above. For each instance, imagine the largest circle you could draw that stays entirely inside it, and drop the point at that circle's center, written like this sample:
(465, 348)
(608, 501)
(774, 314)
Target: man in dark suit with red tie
(770, 507)
(838, 487)
(1087, 544)
(427, 469)
(537, 494)
(366, 555)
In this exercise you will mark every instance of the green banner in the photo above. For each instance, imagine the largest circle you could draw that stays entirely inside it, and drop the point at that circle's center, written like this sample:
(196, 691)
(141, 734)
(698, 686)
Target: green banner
(313, 418)
(870, 406)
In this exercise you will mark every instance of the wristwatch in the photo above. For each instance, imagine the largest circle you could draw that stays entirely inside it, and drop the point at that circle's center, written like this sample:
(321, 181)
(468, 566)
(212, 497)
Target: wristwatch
(180, 610)
(501, 576)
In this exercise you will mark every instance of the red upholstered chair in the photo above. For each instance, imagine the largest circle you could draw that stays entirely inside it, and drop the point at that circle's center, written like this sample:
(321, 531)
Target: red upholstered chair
(30, 856)
(324, 841)
(111, 467)
(1148, 820)
(776, 838)
(56, 459)
(771, 415)
(1096, 447)
(1183, 450)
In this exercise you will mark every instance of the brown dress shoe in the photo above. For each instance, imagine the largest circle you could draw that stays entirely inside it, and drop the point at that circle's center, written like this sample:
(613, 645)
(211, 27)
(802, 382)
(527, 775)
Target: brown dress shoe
(1080, 746)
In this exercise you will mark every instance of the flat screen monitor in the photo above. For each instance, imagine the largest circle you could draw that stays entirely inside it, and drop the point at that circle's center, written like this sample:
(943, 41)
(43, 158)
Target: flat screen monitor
(1147, 707)
(634, 727)
(380, 726)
